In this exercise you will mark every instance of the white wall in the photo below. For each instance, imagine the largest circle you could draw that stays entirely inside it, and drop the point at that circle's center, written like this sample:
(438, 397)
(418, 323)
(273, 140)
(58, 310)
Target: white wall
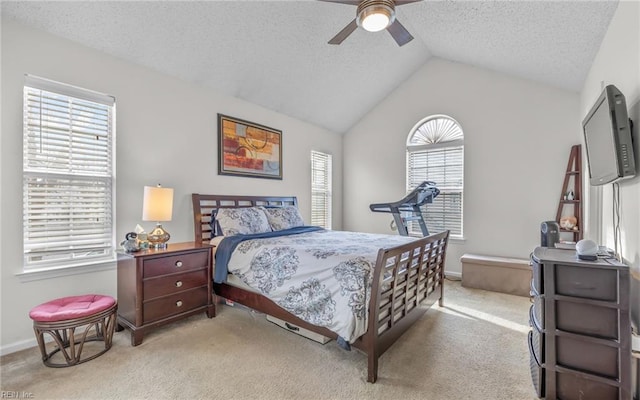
(166, 133)
(618, 63)
(518, 135)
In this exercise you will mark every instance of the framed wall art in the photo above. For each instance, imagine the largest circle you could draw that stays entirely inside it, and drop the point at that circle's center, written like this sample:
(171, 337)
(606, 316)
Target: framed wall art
(248, 149)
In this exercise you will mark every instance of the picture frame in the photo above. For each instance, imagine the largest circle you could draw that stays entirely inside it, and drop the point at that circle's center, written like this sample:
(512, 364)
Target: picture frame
(248, 149)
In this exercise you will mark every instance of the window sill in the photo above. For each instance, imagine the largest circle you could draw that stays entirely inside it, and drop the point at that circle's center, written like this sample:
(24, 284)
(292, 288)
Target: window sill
(452, 239)
(457, 240)
(57, 272)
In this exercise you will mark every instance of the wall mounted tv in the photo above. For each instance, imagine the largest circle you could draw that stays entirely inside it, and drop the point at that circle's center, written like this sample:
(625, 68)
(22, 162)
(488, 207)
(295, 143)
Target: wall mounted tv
(607, 136)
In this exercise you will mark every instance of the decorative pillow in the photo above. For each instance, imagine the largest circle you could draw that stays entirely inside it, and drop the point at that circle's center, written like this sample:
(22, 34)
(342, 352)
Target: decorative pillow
(242, 221)
(283, 217)
(215, 226)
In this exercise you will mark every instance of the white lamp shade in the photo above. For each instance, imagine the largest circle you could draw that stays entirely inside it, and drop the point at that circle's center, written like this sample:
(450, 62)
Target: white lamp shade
(157, 204)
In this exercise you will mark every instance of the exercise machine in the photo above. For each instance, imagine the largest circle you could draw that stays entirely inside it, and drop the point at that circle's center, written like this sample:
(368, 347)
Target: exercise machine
(424, 193)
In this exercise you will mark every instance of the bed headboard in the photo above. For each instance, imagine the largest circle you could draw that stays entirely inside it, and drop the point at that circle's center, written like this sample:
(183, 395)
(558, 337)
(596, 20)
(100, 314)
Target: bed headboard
(204, 206)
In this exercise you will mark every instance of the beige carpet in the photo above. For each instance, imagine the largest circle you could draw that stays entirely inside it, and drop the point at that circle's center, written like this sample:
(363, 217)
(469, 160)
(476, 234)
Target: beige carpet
(474, 347)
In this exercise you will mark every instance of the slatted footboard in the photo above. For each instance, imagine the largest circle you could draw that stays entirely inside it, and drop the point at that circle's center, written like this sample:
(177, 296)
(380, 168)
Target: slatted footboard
(407, 280)
(410, 278)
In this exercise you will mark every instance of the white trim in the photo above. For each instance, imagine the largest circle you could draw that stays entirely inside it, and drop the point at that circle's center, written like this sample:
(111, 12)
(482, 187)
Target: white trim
(68, 90)
(48, 273)
(452, 239)
(431, 146)
(18, 346)
(453, 274)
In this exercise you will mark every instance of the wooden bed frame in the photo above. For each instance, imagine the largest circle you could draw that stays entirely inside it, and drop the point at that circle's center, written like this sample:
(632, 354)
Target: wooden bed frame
(414, 280)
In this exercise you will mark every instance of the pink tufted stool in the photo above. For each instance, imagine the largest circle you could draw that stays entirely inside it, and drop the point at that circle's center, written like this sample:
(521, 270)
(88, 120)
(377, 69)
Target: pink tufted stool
(93, 315)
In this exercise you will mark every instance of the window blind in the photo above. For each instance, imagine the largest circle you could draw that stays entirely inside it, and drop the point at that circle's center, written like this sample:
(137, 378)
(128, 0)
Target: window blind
(444, 166)
(67, 175)
(321, 189)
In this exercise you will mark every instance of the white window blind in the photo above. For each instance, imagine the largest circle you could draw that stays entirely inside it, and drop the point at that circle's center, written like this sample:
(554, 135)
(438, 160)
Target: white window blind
(435, 152)
(68, 173)
(321, 189)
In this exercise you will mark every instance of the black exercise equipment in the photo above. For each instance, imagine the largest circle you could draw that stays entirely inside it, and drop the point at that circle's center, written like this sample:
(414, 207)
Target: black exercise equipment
(424, 193)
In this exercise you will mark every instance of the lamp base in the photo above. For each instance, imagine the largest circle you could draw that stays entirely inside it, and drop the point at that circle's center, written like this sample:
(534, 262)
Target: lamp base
(158, 237)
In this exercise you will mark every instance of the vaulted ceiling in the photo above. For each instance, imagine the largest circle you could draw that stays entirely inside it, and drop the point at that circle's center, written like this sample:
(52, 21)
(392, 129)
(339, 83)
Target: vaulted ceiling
(275, 53)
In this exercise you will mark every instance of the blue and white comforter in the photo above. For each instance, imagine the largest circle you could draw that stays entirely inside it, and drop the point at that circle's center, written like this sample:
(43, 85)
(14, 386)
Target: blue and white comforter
(323, 277)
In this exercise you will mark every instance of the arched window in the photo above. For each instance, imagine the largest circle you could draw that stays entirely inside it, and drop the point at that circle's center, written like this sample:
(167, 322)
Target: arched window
(435, 152)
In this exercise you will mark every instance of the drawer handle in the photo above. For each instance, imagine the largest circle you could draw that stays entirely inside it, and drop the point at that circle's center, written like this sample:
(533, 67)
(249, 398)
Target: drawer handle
(179, 303)
(178, 264)
(179, 284)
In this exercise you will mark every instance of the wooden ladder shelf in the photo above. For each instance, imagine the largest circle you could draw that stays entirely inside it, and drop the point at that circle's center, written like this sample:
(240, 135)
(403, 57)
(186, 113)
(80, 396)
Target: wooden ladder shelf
(572, 198)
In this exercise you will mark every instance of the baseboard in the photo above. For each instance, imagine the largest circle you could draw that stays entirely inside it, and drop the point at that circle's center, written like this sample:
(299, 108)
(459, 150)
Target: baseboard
(456, 275)
(17, 346)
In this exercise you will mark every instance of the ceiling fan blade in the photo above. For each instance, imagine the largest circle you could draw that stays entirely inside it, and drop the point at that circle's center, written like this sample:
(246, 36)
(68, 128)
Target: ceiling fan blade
(346, 31)
(350, 2)
(399, 33)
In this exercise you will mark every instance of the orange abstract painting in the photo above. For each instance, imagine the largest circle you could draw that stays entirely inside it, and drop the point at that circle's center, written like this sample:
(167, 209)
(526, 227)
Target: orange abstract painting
(248, 149)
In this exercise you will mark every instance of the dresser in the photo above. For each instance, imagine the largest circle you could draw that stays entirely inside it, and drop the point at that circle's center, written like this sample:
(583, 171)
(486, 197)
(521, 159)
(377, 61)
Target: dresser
(160, 286)
(580, 337)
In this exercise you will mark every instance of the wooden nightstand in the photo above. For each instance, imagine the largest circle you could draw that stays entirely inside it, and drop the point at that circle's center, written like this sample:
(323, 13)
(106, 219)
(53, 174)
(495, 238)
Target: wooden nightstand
(156, 287)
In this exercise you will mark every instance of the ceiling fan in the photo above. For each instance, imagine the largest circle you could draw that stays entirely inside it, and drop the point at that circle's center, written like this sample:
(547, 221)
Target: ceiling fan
(374, 16)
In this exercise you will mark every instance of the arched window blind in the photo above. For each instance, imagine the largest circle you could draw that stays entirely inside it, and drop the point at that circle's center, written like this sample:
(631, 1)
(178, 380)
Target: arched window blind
(68, 168)
(321, 189)
(435, 152)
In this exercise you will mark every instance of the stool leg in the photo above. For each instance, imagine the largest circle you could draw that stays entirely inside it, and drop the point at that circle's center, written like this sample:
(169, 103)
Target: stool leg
(99, 330)
(71, 358)
(109, 329)
(40, 339)
(61, 340)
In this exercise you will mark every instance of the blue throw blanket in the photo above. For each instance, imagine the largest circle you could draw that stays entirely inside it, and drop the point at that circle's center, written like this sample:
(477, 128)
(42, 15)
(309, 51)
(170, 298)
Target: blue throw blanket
(228, 245)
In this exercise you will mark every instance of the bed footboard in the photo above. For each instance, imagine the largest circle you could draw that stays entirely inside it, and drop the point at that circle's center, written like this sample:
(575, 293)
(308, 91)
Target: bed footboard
(407, 280)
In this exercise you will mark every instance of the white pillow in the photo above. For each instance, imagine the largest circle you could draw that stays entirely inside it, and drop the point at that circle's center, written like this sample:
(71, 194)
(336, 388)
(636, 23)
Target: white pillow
(243, 221)
(283, 217)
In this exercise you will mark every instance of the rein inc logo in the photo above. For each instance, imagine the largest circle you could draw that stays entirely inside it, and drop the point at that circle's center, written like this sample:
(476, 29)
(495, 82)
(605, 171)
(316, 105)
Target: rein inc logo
(11, 394)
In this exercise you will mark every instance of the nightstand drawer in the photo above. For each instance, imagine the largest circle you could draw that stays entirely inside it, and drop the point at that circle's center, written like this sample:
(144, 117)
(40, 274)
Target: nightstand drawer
(174, 304)
(156, 287)
(177, 263)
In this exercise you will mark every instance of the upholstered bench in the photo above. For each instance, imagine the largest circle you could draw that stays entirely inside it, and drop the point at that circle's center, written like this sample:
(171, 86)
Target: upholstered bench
(72, 322)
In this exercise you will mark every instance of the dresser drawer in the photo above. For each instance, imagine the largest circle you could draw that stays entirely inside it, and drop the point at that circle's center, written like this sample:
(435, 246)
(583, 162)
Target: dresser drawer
(175, 304)
(587, 356)
(175, 263)
(537, 372)
(589, 283)
(574, 387)
(537, 309)
(537, 337)
(587, 319)
(537, 276)
(166, 285)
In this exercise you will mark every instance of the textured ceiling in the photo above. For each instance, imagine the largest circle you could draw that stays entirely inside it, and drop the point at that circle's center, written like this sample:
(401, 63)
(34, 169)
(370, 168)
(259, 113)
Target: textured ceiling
(275, 53)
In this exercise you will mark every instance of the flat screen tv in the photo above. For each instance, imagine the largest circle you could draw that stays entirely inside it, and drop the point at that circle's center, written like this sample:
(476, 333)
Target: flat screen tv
(608, 141)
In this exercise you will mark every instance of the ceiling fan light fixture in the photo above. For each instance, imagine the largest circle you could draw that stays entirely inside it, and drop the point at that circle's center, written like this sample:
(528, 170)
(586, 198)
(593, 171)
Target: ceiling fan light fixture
(375, 15)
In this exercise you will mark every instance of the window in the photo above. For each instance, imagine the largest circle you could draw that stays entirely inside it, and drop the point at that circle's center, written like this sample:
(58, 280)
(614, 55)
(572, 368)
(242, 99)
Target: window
(321, 189)
(68, 174)
(435, 152)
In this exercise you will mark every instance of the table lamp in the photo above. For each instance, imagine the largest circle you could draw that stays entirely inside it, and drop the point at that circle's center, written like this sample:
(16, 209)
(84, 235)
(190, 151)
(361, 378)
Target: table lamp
(157, 206)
